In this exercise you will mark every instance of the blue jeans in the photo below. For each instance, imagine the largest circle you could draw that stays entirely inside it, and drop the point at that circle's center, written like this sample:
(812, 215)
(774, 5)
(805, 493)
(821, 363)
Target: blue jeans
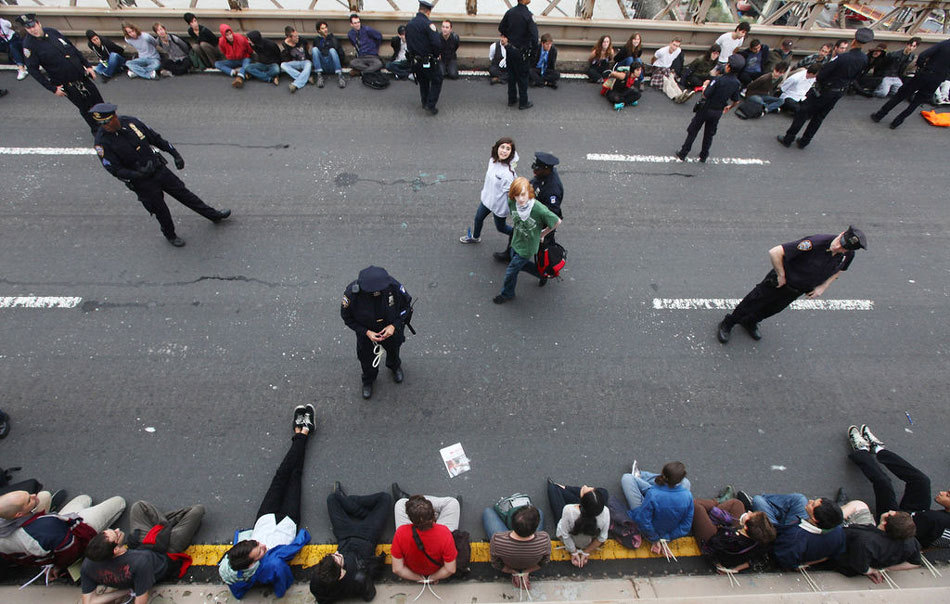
(298, 70)
(772, 103)
(328, 63)
(481, 214)
(115, 63)
(400, 69)
(144, 68)
(14, 48)
(226, 65)
(781, 509)
(263, 71)
(634, 488)
(493, 523)
(517, 264)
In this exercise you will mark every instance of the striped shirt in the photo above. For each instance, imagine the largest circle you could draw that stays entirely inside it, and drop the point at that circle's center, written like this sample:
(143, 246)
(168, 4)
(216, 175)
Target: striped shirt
(519, 555)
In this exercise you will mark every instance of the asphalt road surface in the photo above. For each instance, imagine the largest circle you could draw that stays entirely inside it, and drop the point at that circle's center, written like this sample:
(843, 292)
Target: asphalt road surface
(173, 380)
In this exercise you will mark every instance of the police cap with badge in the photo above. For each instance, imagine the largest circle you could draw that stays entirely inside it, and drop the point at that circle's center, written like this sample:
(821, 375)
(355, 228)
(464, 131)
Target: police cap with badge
(103, 112)
(372, 279)
(27, 20)
(544, 160)
(854, 239)
(736, 63)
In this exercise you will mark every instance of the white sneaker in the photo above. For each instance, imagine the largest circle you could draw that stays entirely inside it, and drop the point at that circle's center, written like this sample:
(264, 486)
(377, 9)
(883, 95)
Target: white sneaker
(857, 440)
(876, 443)
(234, 73)
(467, 239)
(634, 469)
(22, 75)
(132, 75)
(165, 73)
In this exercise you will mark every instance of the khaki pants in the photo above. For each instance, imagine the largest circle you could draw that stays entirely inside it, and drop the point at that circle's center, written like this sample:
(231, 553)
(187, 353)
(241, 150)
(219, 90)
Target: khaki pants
(99, 517)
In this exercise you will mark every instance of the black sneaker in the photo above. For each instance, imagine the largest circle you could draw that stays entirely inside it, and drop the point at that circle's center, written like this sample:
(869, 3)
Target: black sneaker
(310, 418)
(841, 497)
(299, 412)
(398, 493)
(499, 299)
(745, 499)
(176, 241)
(680, 156)
(857, 440)
(876, 443)
(783, 142)
(57, 500)
(753, 330)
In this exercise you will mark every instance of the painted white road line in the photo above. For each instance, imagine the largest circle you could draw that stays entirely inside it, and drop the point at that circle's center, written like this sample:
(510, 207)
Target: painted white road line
(39, 301)
(731, 303)
(47, 151)
(666, 159)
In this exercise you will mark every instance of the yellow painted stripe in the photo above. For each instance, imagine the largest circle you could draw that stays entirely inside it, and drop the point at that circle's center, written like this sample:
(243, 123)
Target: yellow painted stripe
(210, 555)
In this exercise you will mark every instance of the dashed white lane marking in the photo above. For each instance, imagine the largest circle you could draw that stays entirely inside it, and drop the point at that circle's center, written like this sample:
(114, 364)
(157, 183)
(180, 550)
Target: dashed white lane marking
(731, 303)
(47, 151)
(39, 301)
(665, 159)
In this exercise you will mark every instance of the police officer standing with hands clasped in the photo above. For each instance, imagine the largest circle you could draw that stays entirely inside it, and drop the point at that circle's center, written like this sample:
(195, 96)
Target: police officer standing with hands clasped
(522, 32)
(124, 145)
(807, 266)
(67, 72)
(378, 308)
(834, 78)
(424, 45)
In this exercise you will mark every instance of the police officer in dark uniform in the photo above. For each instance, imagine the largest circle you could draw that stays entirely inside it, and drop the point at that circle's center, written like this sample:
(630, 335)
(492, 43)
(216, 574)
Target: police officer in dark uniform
(834, 78)
(377, 308)
(806, 266)
(547, 185)
(68, 73)
(522, 32)
(933, 67)
(719, 96)
(423, 48)
(124, 145)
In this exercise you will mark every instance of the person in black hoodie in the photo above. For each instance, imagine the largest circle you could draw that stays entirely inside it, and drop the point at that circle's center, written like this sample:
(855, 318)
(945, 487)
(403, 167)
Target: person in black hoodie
(267, 67)
(399, 65)
(450, 47)
(111, 56)
(203, 42)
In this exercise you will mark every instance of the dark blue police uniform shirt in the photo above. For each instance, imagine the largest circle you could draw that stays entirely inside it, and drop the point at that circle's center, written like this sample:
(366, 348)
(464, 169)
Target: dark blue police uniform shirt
(838, 74)
(421, 39)
(722, 91)
(809, 261)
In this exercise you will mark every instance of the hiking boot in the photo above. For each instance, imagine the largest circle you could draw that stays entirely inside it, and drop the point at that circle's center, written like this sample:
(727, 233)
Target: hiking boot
(238, 82)
(856, 440)
(320, 81)
(745, 499)
(876, 443)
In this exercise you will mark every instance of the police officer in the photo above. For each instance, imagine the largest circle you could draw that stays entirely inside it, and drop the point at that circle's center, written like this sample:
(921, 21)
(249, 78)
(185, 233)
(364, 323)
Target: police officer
(933, 67)
(806, 266)
(834, 78)
(377, 308)
(424, 46)
(68, 73)
(719, 96)
(124, 145)
(522, 32)
(547, 185)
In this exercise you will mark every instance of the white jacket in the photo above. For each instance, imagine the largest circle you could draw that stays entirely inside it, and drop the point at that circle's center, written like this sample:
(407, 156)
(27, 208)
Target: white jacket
(498, 180)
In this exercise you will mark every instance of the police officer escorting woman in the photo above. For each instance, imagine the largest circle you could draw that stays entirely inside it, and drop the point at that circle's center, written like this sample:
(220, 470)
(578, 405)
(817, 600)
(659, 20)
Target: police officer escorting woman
(522, 32)
(424, 45)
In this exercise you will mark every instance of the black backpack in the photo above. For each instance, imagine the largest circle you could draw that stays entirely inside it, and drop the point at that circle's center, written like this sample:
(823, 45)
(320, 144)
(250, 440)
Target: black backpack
(376, 80)
(551, 259)
(750, 110)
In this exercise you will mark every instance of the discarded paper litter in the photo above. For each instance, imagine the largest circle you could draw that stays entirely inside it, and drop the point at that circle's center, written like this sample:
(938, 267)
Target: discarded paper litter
(455, 460)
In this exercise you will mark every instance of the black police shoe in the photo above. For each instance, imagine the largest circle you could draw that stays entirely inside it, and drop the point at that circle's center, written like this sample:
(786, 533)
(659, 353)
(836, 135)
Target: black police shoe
(527, 105)
(876, 117)
(177, 241)
(398, 493)
(841, 497)
(499, 299)
(398, 375)
(221, 215)
(432, 110)
(367, 390)
(338, 488)
(680, 156)
(512, 103)
(504, 256)
(800, 143)
(753, 330)
(4, 424)
(783, 142)
(724, 332)
(542, 281)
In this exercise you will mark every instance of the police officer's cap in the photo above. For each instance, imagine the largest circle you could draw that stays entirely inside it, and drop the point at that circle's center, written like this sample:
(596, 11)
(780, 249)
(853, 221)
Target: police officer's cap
(103, 112)
(401, 29)
(864, 35)
(373, 279)
(853, 239)
(425, 4)
(27, 20)
(546, 159)
(737, 62)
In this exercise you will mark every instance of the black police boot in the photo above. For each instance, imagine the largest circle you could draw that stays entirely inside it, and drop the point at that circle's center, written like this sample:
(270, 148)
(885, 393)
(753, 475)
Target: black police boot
(680, 155)
(782, 141)
(895, 124)
(176, 241)
(724, 332)
(398, 375)
(504, 256)
(876, 117)
(368, 390)
(542, 281)
(398, 493)
(753, 330)
(801, 143)
(220, 215)
(338, 488)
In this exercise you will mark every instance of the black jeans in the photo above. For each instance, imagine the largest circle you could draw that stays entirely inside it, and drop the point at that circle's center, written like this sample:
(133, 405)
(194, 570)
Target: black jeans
(916, 484)
(364, 352)
(814, 109)
(762, 302)
(559, 497)
(705, 117)
(149, 191)
(915, 91)
(359, 516)
(283, 496)
(84, 94)
(517, 77)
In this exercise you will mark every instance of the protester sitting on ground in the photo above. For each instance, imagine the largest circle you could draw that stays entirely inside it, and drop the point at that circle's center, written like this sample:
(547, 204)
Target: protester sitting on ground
(498, 61)
(152, 552)
(450, 47)
(494, 195)
(818, 58)
(111, 56)
(809, 530)
(700, 69)
(600, 59)
(147, 63)
(630, 52)
(730, 42)
(840, 47)
(30, 535)
(521, 550)
(366, 41)
(358, 522)
(582, 518)
(423, 548)
(729, 536)
(869, 453)
(237, 53)
(896, 67)
(543, 71)
(756, 62)
(294, 59)
(782, 54)
(795, 88)
(661, 504)
(765, 88)
(327, 54)
(266, 66)
(174, 52)
(625, 90)
(873, 73)
(869, 549)
(12, 44)
(203, 42)
(663, 60)
(261, 555)
(399, 65)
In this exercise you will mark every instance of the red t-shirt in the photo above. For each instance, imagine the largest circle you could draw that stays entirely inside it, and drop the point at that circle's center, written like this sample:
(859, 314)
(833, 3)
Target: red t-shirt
(438, 542)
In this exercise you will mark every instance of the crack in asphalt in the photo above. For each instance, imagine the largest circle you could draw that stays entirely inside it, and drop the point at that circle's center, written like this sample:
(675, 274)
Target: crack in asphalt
(240, 278)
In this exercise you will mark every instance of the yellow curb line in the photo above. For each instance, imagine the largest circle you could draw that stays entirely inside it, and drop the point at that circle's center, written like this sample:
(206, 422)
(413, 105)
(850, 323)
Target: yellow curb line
(210, 555)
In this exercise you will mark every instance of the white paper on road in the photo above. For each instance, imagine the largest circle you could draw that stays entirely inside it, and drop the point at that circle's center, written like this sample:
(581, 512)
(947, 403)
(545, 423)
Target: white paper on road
(455, 460)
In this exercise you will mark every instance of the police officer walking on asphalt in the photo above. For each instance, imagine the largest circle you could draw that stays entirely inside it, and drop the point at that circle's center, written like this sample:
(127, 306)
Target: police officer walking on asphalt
(424, 46)
(378, 309)
(522, 32)
(124, 145)
(807, 266)
(68, 73)
(547, 185)
(933, 67)
(719, 96)
(832, 81)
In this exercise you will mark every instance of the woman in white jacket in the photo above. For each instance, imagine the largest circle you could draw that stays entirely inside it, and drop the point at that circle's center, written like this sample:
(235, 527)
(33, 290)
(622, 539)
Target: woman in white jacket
(498, 179)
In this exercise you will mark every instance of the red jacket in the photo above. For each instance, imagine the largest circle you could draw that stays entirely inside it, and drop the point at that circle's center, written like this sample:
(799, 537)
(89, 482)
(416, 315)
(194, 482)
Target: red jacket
(237, 50)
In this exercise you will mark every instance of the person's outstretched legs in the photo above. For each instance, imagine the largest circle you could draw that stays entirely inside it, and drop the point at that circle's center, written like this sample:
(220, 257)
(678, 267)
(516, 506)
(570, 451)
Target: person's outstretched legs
(283, 495)
(916, 484)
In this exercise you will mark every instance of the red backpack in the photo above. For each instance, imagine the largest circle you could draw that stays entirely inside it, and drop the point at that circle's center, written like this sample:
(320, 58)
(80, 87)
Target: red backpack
(550, 259)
